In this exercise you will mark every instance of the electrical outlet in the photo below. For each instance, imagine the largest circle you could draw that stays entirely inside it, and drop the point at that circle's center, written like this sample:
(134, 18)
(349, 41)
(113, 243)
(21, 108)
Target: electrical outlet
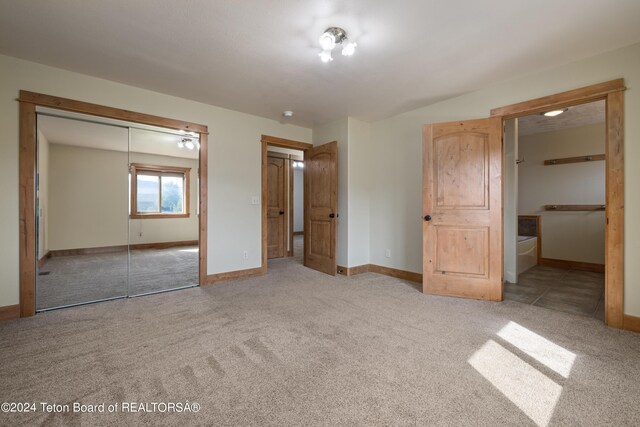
(387, 253)
(245, 255)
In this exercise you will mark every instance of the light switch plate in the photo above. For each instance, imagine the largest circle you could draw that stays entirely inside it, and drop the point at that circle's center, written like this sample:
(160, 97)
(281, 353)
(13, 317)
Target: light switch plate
(255, 200)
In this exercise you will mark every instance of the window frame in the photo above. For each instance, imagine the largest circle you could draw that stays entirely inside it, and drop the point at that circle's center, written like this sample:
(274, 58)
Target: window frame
(136, 168)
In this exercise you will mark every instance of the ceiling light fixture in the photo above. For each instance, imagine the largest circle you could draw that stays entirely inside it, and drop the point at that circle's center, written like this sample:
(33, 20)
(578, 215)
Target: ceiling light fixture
(554, 113)
(287, 113)
(331, 37)
(325, 56)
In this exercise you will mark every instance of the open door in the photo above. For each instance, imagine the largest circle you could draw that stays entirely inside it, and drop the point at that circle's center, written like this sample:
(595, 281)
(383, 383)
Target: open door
(462, 208)
(276, 236)
(321, 207)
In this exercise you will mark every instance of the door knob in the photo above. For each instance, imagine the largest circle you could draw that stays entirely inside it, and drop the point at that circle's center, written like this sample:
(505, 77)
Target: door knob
(427, 217)
(332, 215)
(281, 212)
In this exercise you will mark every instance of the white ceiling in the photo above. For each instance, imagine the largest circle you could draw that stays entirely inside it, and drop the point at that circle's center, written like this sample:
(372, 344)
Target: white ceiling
(260, 56)
(580, 115)
(69, 130)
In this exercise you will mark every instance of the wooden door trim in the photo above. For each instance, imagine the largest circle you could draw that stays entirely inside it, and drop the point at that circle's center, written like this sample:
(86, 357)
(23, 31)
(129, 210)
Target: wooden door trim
(110, 112)
(274, 141)
(612, 92)
(28, 101)
(290, 210)
(285, 143)
(27, 217)
(277, 155)
(578, 96)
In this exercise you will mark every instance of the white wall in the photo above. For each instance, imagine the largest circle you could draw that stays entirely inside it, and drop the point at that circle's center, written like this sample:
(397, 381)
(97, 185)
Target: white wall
(353, 187)
(396, 196)
(396, 145)
(43, 195)
(572, 236)
(359, 193)
(510, 200)
(88, 197)
(234, 224)
(90, 186)
(298, 199)
(339, 131)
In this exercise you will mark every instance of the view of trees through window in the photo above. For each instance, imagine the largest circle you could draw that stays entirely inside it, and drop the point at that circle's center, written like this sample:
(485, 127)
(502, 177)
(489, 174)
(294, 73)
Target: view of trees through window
(160, 193)
(172, 194)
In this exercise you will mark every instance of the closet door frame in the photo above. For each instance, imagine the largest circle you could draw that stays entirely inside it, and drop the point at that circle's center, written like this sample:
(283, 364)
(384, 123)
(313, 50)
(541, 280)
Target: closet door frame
(28, 102)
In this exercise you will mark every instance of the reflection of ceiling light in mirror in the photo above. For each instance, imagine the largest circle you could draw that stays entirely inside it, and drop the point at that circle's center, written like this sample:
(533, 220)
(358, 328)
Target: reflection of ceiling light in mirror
(554, 113)
(188, 143)
(298, 165)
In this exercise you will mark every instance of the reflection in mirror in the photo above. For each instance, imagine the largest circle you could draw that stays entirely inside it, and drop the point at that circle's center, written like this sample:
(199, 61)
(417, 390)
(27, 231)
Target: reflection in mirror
(164, 220)
(82, 224)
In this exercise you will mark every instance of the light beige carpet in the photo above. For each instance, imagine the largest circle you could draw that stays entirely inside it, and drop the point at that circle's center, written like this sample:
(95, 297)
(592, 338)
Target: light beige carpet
(298, 347)
(78, 279)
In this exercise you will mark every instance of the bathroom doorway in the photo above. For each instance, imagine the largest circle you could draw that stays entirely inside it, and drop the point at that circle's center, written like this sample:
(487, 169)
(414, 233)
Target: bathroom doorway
(555, 169)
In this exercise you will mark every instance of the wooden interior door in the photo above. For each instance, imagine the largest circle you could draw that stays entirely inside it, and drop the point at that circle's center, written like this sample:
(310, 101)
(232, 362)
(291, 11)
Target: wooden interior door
(275, 207)
(321, 207)
(462, 208)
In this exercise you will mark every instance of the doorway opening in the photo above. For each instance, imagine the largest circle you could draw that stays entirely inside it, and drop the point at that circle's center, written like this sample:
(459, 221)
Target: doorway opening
(320, 207)
(181, 193)
(554, 204)
(285, 202)
(612, 94)
(463, 199)
(282, 198)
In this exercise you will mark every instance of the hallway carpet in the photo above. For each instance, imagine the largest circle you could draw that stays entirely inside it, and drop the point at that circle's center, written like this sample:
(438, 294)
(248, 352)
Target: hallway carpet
(297, 347)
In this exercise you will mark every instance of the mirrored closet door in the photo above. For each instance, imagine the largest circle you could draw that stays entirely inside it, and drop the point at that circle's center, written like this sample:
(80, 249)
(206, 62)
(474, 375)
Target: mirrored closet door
(116, 209)
(164, 221)
(81, 211)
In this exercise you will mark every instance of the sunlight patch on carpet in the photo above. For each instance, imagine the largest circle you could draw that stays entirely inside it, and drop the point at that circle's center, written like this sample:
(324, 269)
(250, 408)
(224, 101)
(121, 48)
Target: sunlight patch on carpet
(541, 349)
(530, 390)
